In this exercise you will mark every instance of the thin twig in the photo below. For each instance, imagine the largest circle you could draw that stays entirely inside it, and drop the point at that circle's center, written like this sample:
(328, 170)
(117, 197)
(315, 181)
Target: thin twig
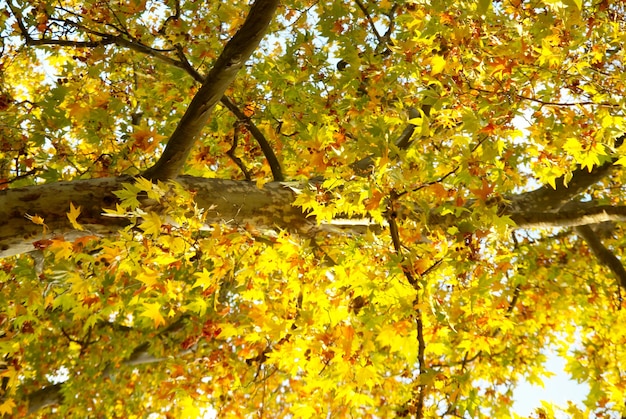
(444, 177)
(421, 349)
(267, 149)
(175, 16)
(231, 153)
(22, 176)
(550, 103)
(381, 40)
(420, 395)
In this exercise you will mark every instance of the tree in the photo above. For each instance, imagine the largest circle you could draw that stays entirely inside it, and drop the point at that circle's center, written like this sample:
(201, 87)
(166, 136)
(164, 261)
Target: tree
(309, 209)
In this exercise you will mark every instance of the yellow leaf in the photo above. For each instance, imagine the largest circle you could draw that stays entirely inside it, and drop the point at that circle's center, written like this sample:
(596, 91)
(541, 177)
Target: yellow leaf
(144, 184)
(437, 64)
(366, 376)
(572, 146)
(6, 408)
(78, 111)
(148, 276)
(227, 331)
(304, 410)
(62, 249)
(621, 161)
(205, 279)
(10, 376)
(189, 408)
(35, 219)
(73, 215)
(199, 305)
(151, 224)
(153, 311)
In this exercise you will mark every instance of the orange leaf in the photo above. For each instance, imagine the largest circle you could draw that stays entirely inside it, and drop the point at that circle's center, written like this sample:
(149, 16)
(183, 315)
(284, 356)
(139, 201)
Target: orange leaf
(6, 408)
(439, 190)
(249, 109)
(35, 219)
(42, 244)
(146, 139)
(483, 192)
(374, 201)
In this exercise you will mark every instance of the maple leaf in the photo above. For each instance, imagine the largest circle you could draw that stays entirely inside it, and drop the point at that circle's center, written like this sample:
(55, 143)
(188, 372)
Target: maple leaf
(249, 109)
(7, 406)
(373, 202)
(78, 111)
(437, 64)
(146, 139)
(483, 192)
(205, 279)
(151, 224)
(36, 219)
(73, 215)
(148, 276)
(153, 312)
(62, 249)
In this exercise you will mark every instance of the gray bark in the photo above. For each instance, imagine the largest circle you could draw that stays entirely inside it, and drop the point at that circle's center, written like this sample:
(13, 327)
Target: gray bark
(229, 202)
(225, 201)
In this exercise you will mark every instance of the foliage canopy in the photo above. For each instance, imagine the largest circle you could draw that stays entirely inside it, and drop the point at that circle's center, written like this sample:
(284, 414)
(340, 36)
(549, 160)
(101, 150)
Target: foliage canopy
(323, 208)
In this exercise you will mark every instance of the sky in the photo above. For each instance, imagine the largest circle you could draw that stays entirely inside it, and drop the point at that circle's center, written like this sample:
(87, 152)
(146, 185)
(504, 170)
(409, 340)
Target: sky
(557, 390)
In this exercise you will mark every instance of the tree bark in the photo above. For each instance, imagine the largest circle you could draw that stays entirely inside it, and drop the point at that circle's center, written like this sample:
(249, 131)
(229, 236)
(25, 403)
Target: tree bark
(229, 202)
(225, 201)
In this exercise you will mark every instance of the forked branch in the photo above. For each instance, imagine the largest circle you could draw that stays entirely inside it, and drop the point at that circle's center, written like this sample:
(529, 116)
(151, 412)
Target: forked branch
(235, 54)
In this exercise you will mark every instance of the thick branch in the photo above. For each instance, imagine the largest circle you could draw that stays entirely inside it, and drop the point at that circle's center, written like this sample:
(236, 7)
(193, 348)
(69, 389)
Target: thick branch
(225, 201)
(235, 54)
(547, 198)
(587, 215)
(604, 255)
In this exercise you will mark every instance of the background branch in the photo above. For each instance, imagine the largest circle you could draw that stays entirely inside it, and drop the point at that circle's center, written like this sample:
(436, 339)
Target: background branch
(233, 156)
(270, 156)
(573, 217)
(604, 255)
(547, 198)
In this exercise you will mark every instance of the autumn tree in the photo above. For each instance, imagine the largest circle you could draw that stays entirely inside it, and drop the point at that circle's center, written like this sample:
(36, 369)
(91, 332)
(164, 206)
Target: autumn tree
(331, 208)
